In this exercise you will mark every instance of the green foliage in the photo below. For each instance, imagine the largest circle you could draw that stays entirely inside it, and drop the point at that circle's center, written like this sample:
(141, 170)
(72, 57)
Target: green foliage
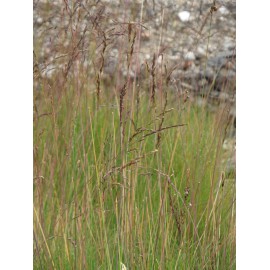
(127, 172)
(148, 206)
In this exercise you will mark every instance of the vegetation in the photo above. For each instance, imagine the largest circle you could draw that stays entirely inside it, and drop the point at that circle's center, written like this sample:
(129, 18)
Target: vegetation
(128, 173)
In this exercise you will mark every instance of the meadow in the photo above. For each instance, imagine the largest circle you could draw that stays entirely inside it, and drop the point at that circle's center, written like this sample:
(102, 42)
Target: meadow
(128, 172)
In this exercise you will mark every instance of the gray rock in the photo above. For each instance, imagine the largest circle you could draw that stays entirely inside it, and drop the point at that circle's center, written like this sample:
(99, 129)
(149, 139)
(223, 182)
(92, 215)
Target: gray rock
(184, 16)
(190, 56)
(223, 10)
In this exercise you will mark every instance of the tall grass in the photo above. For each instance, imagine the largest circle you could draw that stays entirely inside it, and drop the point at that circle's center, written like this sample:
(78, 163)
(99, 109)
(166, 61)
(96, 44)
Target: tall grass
(127, 174)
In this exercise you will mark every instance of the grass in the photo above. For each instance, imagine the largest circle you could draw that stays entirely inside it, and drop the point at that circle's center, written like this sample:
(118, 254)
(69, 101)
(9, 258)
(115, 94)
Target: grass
(125, 176)
(145, 207)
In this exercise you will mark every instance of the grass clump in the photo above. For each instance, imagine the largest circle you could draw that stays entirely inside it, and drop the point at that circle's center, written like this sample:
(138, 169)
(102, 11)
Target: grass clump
(148, 198)
(127, 175)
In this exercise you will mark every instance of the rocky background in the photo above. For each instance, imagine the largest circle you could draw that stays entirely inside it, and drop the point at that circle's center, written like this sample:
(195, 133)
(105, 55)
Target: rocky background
(194, 39)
